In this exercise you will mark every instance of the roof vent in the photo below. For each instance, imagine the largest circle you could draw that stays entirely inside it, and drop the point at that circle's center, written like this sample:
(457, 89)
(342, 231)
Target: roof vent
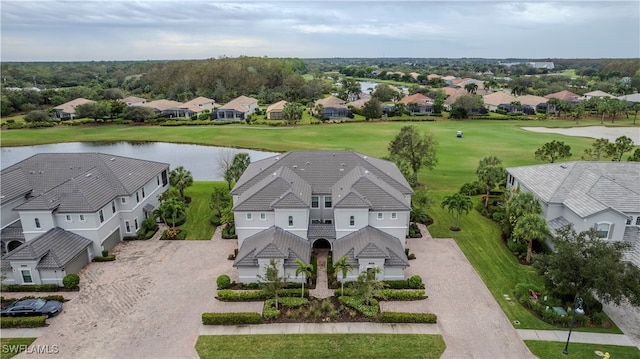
(32, 172)
(563, 166)
(112, 159)
(40, 172)
(334, 154)
(365, 157)
(342, 170)
(274, 173)
(295, 166)
(308, 162)
(342, 164)
(277, 157)
(88, 175)
(366, 171)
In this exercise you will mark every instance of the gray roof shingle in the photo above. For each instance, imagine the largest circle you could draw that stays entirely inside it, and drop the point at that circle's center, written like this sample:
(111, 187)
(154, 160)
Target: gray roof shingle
(273, 242)
(75, 182)
(370, 242)
(54, 249)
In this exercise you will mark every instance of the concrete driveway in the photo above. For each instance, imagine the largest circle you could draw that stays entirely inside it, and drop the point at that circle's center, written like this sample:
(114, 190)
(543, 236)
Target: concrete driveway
(146, 304)
(471, 321)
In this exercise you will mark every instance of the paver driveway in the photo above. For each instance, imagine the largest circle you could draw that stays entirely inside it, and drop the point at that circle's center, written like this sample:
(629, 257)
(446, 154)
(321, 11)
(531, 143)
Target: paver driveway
(146, 304)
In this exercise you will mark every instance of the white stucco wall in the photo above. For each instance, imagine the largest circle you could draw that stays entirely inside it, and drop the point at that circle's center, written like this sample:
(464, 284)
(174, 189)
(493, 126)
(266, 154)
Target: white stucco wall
(300, 220)
(342, 218)
(7, 215)
(30, 231)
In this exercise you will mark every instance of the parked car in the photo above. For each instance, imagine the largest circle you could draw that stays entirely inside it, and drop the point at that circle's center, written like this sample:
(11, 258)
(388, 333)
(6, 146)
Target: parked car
(32, 307)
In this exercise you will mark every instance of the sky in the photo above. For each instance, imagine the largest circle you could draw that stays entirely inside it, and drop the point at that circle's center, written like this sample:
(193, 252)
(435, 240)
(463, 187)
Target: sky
(91, 30)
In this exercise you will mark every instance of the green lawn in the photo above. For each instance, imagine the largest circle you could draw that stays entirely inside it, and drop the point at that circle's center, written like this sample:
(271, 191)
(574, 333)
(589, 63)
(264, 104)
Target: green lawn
(9, 346)
(198, 211)
(16, 119)
(321, 346)
(553, 350)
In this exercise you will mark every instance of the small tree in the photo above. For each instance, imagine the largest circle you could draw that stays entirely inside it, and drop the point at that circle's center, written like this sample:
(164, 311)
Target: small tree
(415, 149)
(138, 113)
(618, 148)
(490, 172)
(635, 157)
(271, 282)
(457, 204)
(37, 116)
(169, 211)
(180, 178)
(368, 286)
(531, 227)
(372, 109)
(220, 199)
(71, 281)
(292, 112)
(552, 151)
(306, 270)
(225, 162)
(598, 149)
(517, 205)
(344, 267)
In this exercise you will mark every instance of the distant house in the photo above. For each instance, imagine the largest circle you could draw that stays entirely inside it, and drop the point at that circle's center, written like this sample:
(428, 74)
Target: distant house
(547, 65)
(190, 109)
(452, 95)
(60, 210)
(564, 96)
(356, 205)
(597, 94)
(604, 196)
(417, 104)
(492, 101)
(449, 79)
(333, 108)
(635, 98)
(133, 101)
(465, 81)
(236, 110)
(514, 108)
(274, 111)
(68, 109)
(534, 102)
(162, 105)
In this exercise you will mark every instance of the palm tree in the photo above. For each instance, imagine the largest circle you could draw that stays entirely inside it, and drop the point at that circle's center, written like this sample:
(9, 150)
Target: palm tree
(531, 227)
(518, 205)
(457, 204)
(180, 178)
(489, 173)
(344, 267)
(305, 269)
(471, 87)
(170, 209)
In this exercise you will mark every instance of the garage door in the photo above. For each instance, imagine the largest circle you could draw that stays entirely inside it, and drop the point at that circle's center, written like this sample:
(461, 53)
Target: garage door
(112, 240)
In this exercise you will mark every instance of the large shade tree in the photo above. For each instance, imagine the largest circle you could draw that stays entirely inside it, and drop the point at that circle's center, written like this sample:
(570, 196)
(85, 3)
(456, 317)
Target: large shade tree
(414, 149)
(582, 263)
(490, 173)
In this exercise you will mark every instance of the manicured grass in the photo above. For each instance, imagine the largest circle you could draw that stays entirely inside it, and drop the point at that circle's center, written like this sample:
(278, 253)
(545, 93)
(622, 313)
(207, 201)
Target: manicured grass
(570, 73)
(10, 345)
(321, 346)
(16, 119)
(198, 211)
(553, 350)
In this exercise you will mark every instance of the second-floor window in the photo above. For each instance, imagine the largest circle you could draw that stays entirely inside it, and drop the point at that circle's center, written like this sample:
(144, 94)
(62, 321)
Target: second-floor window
(37, 220)
(263, 216)
(602, 230)
(394, 215)
(67, 218)
(314, 202)
(629, 221)
(380, 215)
(249, 216)
(82, 217)
(638, 221)
(101, 215)
(143, 195)
(113, 206)
(137, 197)
(123, 200)
(290, 221)
(327, 201)
(352, 221)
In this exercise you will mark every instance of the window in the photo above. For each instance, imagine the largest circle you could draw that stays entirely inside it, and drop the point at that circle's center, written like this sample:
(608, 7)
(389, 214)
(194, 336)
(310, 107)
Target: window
(394, 215)
(352, 221)
(314, 202)
(26, 276)
(135, 223)
(113, 206)
(82, 217)
(380, 215)
(67, 218)
(602, 230)
(638, 221)
(123, 200)
(164, 178)
(101, 215)
(263, 216)
(137, 197)
(37, 220)
(158, 180)
(249, 217)
(629, 221)
(143, 195)
(290, 221)
(327, 201)
(127, 226)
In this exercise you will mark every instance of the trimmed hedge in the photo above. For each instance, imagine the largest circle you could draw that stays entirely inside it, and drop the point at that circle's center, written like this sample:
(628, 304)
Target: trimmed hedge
(228, 295)
(23, 322)
(29, 288)
(370, 311)
(405, 294)
(5, 301)
(401, 317)
(109, 258)
(291, 302)
(231, 318)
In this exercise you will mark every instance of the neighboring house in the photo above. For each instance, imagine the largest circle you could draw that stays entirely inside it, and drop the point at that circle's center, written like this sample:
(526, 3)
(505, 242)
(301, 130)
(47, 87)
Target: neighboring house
(597, 94)
(531, 100)
(514, 108)
(99, 197)
(333, 108)
(564, 96)
(634, 98)
(465, 81)
(68, 109)
(600, 195)
(133, 101)
(492, 101)
(236, 110)
(417, 104)
(449, 79)
(364, 98)
(274, 111)
(287, 205)
(171, 109)
(452, 95)
(162, 105)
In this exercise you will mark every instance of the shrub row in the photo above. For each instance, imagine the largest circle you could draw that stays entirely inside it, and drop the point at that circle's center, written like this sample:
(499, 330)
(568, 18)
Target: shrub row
(269, 310)
(415, 282)
(228, 295)
(370, 311)
(6, 301)
(231, 318)
(187, 123)
(109, 258)
(23, 322)
(405, 294)
(400, 317)
(29, 288)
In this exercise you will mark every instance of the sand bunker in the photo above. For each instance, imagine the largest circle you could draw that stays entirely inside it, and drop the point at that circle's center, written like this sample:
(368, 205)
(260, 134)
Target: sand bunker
(610, 133)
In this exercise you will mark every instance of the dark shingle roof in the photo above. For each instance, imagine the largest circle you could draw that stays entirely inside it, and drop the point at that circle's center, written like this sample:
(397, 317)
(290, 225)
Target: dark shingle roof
(12, 232)
(370, 242)
(75, 182)
(273, 242)
(54, 249)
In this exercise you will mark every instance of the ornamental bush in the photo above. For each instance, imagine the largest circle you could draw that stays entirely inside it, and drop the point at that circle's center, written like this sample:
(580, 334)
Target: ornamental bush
(407, 294)
(223, 282)
(71, 281)
(415, 282)
(231, 318)
(400, 317)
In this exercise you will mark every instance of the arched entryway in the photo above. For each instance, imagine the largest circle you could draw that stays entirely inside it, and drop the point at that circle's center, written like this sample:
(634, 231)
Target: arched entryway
(13, 245)
(321, 243)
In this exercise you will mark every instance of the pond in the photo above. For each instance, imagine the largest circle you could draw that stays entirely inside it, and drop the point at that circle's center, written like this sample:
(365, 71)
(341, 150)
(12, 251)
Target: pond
(200, 160)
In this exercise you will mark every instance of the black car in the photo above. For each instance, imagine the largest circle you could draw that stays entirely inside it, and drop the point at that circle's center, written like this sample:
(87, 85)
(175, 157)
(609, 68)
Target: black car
(28, 307)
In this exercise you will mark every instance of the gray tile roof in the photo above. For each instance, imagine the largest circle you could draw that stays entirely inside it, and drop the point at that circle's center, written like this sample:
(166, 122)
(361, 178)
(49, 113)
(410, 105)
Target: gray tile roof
(584, 187)
(370, 242)
(322, 172)
(273, 242)
(75, 182)
(54, 249)
(12, 232)
(321, 230)
(557, 223)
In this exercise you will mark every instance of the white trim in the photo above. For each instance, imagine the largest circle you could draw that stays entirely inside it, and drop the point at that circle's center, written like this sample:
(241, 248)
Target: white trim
(22, 275)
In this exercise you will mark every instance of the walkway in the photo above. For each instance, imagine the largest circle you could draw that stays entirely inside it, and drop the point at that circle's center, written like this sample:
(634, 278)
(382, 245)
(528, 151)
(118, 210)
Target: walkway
(576, 337)
(322, 285)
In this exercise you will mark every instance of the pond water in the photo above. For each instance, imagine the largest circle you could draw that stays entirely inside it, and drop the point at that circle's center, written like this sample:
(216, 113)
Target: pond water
(367, 87)
(200, 160)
